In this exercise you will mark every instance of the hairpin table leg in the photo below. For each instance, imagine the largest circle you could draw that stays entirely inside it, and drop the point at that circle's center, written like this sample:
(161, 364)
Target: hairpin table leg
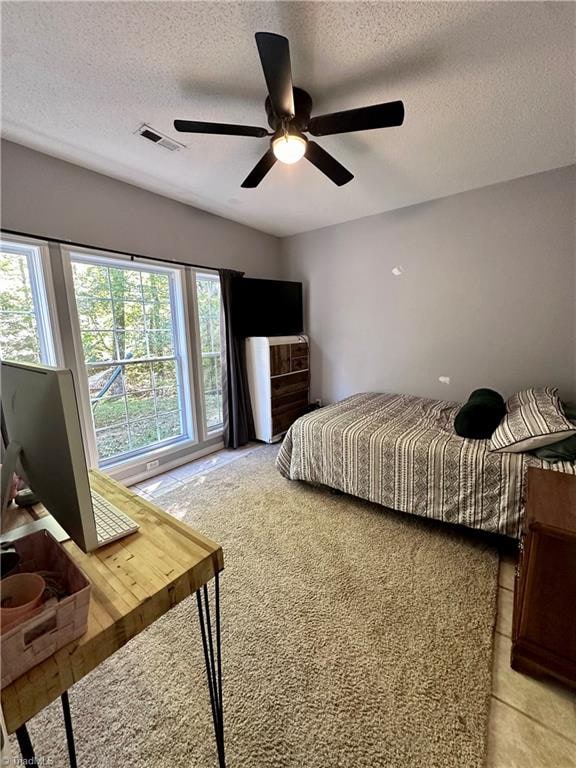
(25, 745)
(69, 731)
(212, 645)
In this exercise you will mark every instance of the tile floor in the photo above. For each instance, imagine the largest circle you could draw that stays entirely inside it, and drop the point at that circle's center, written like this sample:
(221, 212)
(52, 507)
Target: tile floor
(532, 723)
(191, 473)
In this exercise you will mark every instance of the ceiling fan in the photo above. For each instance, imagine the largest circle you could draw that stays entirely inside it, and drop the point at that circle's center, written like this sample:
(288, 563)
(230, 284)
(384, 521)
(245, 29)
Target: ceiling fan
(288, 110)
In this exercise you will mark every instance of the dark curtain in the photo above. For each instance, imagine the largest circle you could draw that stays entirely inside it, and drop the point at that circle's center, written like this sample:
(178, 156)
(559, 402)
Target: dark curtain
(3, 434)
(237, 411)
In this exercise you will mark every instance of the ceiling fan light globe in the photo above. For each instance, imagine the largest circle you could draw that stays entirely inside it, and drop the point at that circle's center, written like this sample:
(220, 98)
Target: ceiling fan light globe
(289, 149)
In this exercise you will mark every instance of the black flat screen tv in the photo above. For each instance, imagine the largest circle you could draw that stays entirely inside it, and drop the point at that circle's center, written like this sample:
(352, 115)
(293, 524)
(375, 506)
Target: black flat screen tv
(266, 307)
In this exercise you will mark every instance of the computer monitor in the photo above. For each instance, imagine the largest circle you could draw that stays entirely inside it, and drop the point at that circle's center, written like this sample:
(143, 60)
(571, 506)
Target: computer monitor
(45, 448)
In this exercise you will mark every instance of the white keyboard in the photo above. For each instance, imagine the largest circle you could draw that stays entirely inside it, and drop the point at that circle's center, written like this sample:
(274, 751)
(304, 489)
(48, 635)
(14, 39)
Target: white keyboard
(111, 524)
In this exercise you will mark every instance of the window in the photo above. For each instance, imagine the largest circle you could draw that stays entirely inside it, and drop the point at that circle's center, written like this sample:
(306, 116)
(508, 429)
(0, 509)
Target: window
(25, 324)
(134, 354)
(209, 315)
(142, 339)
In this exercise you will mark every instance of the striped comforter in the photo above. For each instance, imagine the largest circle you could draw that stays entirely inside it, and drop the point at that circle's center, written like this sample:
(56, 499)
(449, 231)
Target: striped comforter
(402, 452)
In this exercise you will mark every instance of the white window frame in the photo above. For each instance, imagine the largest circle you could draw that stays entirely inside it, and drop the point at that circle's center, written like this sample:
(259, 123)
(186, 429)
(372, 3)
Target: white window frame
(216, 431)
(55, 297)
(137, 462)
(38, 259)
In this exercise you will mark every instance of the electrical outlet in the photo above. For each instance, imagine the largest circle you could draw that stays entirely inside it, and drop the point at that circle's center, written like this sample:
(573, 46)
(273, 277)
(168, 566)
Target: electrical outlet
(152, 464)
(318, 402)
(444, 379)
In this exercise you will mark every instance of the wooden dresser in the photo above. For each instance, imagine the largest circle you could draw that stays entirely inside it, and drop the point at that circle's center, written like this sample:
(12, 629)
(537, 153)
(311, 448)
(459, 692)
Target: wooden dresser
(279, 382)
(544, 625)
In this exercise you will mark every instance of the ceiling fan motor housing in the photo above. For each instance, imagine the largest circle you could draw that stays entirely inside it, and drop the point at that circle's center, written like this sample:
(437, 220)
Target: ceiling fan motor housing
(303, 107)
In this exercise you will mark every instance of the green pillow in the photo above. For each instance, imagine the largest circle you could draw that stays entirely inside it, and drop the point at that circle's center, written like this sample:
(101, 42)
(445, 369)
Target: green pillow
(565, 450)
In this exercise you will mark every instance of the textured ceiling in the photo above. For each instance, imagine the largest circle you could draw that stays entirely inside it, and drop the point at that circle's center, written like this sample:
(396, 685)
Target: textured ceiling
(488, 90)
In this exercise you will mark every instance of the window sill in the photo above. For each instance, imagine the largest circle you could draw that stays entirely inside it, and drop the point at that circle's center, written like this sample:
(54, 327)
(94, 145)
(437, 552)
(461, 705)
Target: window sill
(135, 471)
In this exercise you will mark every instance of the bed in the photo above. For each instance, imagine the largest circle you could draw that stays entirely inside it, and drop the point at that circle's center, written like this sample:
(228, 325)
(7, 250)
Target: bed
(402, 452)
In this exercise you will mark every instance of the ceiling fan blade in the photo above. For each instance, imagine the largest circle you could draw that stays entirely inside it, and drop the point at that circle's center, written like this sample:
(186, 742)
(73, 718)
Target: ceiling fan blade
(327, 164)
(275, 57)
(194, 126)
(362, 119)
(260, 170)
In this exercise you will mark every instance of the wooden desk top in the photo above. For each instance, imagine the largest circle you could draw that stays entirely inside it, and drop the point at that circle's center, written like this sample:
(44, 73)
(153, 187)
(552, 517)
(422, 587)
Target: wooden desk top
(134, 581)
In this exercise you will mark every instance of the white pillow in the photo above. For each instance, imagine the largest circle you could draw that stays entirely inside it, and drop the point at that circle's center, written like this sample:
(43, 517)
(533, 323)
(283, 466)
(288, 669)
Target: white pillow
(534, 419)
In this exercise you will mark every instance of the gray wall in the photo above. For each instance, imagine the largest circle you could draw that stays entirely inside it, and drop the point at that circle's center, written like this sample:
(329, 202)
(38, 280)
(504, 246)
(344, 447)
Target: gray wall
(487, 294)
(46, 196)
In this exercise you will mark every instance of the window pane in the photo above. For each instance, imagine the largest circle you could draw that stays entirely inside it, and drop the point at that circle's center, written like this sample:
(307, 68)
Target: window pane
(158, 316)
(144, 433)
(208, 293)
(105, 380)
(164, 373)
(125, 284)
(131, 344)
(25, 334)
(126, 320)
(128, 315)
(140, 406)
(98, 345)
(112, 442)
(20, 340)
(95, 314)
(169, 425)
(160, 343)
(137, 378)
(165, 401)
(91, 281)
(155, 287)
(213, 409)
(110, 411)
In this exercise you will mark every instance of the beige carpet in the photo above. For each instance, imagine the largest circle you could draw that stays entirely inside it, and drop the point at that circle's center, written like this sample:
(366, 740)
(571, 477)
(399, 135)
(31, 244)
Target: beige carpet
(353, 637)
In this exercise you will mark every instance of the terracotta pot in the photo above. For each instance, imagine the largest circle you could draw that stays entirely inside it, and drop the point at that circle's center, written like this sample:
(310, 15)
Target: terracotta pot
(21, 596)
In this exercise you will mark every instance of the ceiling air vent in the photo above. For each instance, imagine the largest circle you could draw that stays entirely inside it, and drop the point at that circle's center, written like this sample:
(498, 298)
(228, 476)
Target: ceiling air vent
(157, 138)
